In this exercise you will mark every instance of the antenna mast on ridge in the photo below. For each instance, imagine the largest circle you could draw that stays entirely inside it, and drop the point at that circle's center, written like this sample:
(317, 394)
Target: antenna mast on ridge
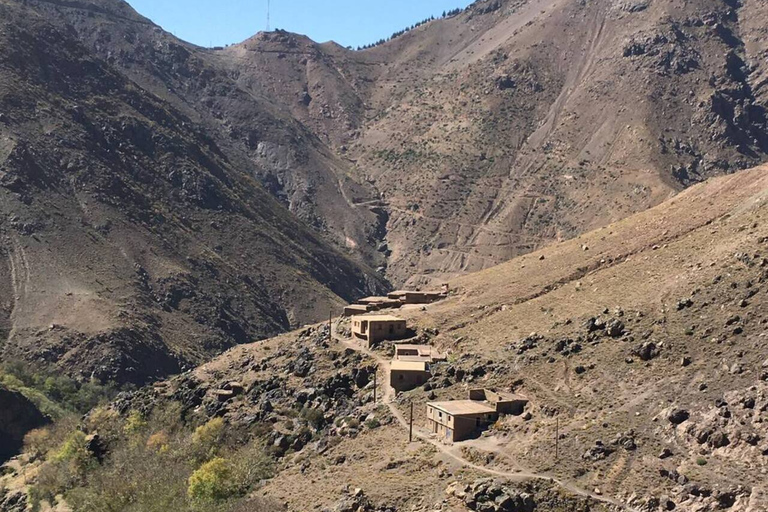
(267, 15)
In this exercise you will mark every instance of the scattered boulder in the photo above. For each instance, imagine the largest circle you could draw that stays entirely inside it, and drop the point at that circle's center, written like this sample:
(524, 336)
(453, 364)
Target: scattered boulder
(505, 82)
(678, 416)
(615, 328)
(594, 324)
(597, 452)
(646, 351)
(356, 501)
(625, 440)
(488, 495)
(719, 439)
(13, 501)
(95, 446)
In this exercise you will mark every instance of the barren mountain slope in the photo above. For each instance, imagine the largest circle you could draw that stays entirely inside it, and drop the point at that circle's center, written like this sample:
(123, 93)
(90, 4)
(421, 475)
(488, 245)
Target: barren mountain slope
(648, 359)
(133, 245)
(260, 128)
(501, 131)
(472, 139)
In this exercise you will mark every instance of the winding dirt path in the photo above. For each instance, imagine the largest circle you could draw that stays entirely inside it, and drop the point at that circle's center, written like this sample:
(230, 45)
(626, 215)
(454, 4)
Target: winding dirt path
(387, 399)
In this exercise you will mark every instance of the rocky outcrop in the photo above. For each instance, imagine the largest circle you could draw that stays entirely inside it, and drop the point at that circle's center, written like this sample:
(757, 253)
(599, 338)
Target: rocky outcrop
(19, 416)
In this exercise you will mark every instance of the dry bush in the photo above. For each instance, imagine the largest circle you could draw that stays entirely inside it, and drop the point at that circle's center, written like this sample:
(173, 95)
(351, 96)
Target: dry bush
(37, 443)
(106, 422)
(158, 441)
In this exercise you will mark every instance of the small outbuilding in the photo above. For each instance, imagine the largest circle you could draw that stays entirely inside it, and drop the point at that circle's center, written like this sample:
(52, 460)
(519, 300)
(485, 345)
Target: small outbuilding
(416, 297)
(372, 329)
(407, 375)
(504, 403)
(408, 352)
(379, 303)
(356, 309)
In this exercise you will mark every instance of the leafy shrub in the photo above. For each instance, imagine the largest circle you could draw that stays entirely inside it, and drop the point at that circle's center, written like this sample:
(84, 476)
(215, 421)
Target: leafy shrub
(212, 482)
(372, 424)
(135, 423)
(66, 468)
(55, 394)
(207, 438)
(106, 422)
(701, 461)
(135, 479)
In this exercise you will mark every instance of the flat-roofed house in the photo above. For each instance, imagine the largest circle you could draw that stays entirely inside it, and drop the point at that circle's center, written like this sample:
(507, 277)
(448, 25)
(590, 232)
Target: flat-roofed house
(378, 303)
(356, 309)
(415, 297)
(457, 420)
(504, 403)
(408, 352)
(372, 329)
(407, 375)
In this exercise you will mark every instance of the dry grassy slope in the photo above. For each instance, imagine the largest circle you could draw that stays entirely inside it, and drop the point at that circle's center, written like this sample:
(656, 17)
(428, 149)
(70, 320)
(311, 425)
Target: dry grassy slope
(707, 245)
(132, 245)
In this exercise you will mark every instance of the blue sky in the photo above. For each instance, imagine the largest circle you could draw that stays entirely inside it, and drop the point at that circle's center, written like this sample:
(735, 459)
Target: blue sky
(348, 22)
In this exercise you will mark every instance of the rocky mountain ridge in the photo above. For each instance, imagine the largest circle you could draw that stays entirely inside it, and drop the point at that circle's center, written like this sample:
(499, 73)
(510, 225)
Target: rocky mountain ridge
(134, 246)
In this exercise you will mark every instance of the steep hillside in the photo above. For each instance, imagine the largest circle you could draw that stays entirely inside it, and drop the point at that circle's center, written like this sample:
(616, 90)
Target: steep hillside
(649, 330)
(264, 135)
(500, 131)
(475, 138)
(134, 246)
(639, 347)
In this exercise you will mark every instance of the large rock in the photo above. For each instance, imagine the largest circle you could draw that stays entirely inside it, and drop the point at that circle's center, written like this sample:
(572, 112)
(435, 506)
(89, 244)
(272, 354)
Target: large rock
(19, 415)
(677, 416)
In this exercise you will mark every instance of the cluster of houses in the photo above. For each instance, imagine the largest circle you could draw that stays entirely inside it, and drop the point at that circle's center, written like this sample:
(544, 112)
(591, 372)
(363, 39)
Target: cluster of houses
(372, 328)
(411, 367)
(394, 300)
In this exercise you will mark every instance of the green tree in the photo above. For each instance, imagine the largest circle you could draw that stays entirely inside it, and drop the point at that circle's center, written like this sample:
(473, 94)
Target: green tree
(211, 482)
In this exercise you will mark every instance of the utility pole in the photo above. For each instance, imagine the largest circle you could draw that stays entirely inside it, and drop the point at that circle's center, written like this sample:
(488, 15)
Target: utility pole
(330, 325)
(375, 373)
(410, 430)
(268, 15)
(557, 438)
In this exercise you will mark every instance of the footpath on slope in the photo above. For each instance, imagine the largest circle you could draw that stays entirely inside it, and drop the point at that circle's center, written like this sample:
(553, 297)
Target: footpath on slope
(387, 399)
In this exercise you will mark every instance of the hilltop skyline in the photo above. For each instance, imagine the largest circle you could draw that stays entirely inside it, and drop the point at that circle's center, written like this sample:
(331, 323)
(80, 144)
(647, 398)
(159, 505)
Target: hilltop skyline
(349, 23)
